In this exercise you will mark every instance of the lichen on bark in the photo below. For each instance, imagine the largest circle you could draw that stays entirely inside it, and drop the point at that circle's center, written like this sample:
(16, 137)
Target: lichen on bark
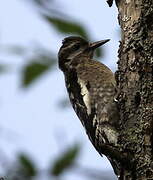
(135, 85)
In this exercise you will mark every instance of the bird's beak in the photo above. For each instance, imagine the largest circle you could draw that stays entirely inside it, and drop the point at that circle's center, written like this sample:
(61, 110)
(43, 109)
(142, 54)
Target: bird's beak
(97, 44)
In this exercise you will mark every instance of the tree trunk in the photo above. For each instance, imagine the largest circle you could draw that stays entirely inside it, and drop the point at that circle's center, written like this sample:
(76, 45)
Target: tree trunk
(135, 85)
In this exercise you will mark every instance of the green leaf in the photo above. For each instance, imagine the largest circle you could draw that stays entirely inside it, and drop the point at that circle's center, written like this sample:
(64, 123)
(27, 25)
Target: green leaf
(36, 68)
(67, 27)
(65, 161)
(26, 166)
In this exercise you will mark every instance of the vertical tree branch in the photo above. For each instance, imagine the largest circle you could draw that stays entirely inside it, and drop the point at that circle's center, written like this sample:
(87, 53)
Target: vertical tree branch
(135, 84)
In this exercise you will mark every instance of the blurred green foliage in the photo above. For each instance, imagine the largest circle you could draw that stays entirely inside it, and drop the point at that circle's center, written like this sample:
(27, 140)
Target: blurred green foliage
(65, 160)
(33, 70)
(24, 168)
(67, 27)
(36, 67)
(41, 63)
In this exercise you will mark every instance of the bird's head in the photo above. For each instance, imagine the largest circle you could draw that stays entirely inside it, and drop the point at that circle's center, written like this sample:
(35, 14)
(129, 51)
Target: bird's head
(74, 47)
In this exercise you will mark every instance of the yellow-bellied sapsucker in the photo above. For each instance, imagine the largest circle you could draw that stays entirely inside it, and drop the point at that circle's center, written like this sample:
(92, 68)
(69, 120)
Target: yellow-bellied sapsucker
(91, 88)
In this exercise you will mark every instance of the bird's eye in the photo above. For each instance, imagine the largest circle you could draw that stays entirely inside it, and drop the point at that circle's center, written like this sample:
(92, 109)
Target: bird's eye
(76, 47)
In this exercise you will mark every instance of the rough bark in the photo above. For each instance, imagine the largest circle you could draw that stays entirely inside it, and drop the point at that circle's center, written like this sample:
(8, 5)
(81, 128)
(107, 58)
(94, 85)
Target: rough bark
(135, 85)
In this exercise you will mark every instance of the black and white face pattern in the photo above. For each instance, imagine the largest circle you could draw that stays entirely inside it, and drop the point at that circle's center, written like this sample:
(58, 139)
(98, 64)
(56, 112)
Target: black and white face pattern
(72, 47)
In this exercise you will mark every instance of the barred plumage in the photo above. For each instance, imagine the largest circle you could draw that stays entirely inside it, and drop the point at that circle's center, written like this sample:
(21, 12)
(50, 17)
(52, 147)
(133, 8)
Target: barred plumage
(92, 89)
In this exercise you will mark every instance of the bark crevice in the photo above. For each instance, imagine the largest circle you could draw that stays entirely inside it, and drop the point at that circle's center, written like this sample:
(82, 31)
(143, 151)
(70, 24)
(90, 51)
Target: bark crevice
(135, 88)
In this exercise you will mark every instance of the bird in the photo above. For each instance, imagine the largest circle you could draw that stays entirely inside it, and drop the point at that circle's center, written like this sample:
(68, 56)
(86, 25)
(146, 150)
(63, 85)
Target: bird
(91, 87)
